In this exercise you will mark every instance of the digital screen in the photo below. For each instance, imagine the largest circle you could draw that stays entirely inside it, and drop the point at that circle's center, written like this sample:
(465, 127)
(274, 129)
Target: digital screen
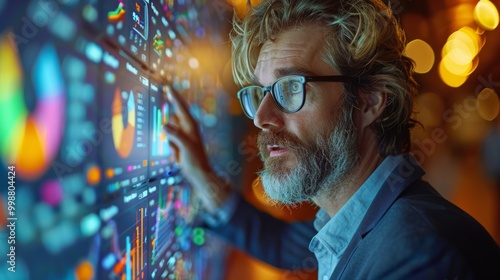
(92, 187)
(48, 139)
(127, 24)
(125, 107)
(162, 157)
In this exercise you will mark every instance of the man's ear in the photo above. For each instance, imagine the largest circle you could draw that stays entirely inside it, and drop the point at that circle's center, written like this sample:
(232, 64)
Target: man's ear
(371, 105)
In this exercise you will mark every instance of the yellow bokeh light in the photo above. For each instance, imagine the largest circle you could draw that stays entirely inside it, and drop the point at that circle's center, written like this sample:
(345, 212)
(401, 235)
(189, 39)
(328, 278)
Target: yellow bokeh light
(449, 78)
(422, 54)
(241, 6)
(462, 46)
(455, 68)
(486, 15)
(488, 104)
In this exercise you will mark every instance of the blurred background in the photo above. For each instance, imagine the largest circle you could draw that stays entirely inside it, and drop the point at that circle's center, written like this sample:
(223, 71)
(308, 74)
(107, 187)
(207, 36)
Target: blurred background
(92, 184)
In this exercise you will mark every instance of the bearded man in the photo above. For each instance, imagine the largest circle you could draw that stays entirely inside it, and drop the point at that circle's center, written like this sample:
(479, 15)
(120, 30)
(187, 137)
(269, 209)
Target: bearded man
(330, 88)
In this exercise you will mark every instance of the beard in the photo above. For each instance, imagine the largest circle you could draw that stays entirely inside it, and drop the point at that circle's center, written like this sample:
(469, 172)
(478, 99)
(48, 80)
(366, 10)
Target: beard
(320, 167)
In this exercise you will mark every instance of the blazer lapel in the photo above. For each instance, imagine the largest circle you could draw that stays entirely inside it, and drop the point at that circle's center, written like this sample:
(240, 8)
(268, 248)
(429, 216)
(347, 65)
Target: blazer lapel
(399, 180)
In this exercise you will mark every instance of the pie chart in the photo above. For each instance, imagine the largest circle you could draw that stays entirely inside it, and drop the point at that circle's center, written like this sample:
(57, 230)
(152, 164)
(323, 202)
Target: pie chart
(123, 122)
(30, 138)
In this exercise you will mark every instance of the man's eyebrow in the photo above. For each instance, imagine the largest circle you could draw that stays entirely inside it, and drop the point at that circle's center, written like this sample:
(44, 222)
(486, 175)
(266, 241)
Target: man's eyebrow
(280, 72)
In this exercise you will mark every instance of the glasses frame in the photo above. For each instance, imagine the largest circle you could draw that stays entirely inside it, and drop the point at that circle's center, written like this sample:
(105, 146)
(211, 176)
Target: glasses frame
(302, 79)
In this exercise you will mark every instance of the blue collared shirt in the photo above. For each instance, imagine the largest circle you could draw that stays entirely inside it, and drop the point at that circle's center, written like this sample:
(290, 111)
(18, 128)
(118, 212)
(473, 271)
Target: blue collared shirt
(335, 234)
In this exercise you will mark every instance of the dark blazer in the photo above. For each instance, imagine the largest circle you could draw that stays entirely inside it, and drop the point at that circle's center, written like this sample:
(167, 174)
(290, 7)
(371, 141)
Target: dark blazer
(409, 232)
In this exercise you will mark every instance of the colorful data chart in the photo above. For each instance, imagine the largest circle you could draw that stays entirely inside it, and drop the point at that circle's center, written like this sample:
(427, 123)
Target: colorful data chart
(117, 15)
(123, 122)
(163, 236)
(30, 138)
(127, 257)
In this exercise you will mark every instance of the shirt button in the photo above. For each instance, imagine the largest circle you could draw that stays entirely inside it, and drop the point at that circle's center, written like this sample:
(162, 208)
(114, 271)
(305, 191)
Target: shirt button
(325, 277)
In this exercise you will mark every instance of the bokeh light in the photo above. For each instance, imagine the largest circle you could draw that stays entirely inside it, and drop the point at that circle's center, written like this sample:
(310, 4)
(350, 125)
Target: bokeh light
(456, 68)
(93, 175)
(462, 46)
(486, 15)
(84, 271)
(51, 192)
(422, 54)
(241, 6)
(449, 78)
(193, 63)
(488, 104)
(460, 56)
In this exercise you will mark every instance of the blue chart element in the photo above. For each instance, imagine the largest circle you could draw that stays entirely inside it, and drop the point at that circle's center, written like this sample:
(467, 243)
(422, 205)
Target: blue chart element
(160, 146)
(47, 73)
(128, 266)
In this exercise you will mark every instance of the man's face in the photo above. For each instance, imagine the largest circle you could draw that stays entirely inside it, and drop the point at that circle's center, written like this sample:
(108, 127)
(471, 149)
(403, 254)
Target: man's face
(309, 152)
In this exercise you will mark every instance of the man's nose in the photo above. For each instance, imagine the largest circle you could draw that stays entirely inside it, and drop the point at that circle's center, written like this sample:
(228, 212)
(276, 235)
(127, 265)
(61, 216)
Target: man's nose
(268, 115)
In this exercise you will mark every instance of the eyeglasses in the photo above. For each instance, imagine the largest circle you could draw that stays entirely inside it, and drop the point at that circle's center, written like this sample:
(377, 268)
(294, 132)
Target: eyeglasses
(288, 92)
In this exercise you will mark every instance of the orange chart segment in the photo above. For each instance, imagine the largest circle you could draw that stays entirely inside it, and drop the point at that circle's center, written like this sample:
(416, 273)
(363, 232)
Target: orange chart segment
(123, 133)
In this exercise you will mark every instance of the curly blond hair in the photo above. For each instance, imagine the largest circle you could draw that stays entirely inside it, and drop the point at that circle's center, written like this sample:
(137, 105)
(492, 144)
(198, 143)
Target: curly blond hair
(363, 40)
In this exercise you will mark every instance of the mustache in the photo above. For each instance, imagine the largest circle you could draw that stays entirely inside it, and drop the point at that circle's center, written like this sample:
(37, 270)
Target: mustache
(281, 138)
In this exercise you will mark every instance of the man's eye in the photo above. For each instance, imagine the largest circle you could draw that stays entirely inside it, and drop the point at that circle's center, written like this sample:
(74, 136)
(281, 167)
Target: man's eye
(295, 87)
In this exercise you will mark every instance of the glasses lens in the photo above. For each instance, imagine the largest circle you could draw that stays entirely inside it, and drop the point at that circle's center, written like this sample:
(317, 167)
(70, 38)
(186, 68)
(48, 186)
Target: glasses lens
(289, 93)
(250, 98)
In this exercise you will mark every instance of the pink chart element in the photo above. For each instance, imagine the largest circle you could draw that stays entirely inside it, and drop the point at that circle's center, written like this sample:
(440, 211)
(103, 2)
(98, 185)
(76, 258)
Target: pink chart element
(49, 112)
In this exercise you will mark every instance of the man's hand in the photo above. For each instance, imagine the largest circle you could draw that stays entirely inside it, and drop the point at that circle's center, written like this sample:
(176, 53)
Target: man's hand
(184, 134)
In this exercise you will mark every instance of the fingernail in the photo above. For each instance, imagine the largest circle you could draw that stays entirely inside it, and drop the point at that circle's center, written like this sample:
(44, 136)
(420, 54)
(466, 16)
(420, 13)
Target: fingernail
(169, 94)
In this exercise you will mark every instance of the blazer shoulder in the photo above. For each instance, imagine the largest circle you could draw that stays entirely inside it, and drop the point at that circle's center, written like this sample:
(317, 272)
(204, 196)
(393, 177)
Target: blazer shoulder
(421, 220)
